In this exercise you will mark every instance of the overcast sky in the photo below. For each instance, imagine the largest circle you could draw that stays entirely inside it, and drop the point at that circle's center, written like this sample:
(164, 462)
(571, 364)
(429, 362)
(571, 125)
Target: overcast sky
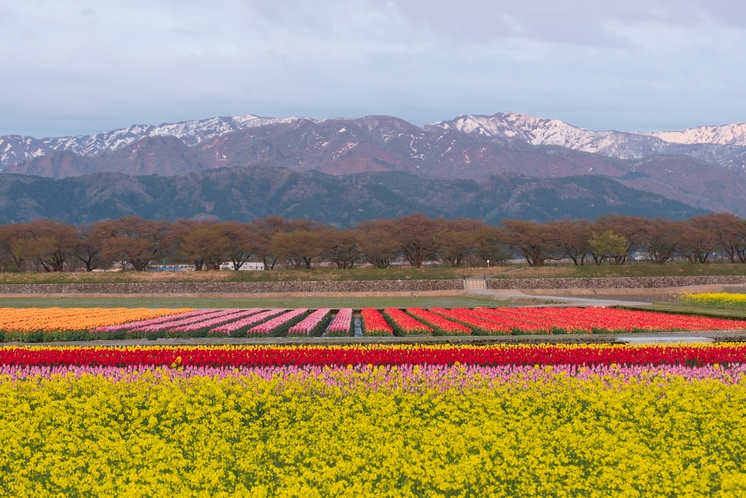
(77, 67)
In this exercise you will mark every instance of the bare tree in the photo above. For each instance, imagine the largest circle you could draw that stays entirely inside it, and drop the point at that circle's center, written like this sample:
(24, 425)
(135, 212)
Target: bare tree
(18, 244)
(491, 245)
(298, 247)
(265, 229)
(660, 238)
(341, 247)
(90, 245)
(537, 242)
(455, 239)
(415, 235)
(202, 242)
(574, 237)
(54, 243)
(241, 242)
(135, 240)
(377, 243)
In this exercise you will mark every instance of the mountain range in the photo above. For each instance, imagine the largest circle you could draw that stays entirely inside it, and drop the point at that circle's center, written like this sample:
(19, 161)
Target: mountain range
(703, 167)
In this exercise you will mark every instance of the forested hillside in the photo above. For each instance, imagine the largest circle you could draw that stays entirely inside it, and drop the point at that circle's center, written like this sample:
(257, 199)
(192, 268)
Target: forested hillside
(258, 191)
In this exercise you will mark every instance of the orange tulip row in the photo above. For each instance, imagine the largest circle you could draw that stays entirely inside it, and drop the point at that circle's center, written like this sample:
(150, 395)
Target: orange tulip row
(48, 319)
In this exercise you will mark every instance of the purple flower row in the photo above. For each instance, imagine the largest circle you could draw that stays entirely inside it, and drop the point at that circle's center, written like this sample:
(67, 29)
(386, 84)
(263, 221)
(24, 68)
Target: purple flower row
(407, 378)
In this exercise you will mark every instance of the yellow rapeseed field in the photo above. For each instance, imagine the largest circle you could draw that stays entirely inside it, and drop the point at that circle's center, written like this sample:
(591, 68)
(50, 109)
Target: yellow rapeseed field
(158, 434)
(716, 299)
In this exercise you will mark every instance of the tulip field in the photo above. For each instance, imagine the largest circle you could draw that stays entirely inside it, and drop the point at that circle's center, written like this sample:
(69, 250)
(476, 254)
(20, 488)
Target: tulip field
(55, 324)
(373, 419)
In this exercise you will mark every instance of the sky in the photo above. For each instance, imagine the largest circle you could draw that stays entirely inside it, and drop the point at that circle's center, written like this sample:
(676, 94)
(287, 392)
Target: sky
(78, 67)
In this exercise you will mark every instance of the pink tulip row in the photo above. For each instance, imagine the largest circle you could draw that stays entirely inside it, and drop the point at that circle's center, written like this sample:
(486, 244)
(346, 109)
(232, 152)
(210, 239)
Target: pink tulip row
(212, 322)
(207, 314)
(145, 323)
(341, 323)
(276, 323)
(310, 324)
(233, 327)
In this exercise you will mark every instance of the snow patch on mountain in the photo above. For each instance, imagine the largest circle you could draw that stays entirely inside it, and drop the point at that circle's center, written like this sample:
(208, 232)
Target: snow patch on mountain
(724, 145)
(540, 131)
(730, 134)
(17, 148)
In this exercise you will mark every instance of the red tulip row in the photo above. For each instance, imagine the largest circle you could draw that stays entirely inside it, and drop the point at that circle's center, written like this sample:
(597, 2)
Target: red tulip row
(221, 356)
(404, 324)
(375, 324)
(440, 325)
(478, 324)
(602, 320)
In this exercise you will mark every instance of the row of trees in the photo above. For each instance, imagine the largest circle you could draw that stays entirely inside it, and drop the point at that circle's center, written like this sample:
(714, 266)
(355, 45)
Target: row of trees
(617, 237)
(53, 246)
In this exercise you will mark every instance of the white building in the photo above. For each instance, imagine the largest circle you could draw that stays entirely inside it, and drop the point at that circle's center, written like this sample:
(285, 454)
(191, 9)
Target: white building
(247, 266)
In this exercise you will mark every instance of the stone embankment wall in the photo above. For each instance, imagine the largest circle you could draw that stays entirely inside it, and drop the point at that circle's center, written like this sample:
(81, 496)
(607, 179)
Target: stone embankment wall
(235, 287)
(363, 285)
(611, 282)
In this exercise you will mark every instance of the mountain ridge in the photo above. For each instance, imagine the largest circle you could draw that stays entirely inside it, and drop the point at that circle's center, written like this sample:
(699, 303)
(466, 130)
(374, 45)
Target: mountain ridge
(383, 143)
(263, 190)
(718, 141)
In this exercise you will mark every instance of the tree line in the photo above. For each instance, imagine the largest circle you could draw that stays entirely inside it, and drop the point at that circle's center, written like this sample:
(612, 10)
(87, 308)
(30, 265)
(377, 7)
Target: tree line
(54, 246)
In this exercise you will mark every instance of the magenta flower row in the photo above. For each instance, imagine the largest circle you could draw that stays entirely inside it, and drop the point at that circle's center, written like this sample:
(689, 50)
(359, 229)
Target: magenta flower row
(207, 314)
(213, 322)
(269, 326)
(229, 328)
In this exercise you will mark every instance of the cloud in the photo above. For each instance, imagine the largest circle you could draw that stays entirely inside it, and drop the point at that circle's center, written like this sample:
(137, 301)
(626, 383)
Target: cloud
(73, 67)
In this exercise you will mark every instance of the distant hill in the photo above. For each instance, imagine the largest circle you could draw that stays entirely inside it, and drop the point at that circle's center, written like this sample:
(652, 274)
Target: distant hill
(702, 167)
(259, 191)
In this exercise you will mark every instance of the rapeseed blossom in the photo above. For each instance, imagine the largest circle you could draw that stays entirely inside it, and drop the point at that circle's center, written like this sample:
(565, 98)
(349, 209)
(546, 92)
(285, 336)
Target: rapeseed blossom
(410, 430)
(716, 299)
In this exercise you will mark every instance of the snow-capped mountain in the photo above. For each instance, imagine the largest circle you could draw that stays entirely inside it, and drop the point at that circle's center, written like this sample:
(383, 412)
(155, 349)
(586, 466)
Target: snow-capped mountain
(730, 134)
(724, 145)
(539, 131)
(16, 148)
(705, 175)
